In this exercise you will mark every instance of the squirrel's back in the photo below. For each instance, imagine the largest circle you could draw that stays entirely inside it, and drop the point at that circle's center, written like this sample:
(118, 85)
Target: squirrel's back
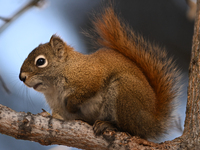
(160, 71)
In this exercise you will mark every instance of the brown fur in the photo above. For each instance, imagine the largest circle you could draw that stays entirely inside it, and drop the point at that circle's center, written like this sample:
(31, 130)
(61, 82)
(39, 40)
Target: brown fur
(128, 84)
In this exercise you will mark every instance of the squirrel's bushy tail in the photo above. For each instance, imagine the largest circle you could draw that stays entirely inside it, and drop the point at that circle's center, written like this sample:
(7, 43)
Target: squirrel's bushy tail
(159, 70)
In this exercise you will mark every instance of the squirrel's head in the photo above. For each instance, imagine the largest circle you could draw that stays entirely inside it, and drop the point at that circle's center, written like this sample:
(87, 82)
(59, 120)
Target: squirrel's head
(44, 63)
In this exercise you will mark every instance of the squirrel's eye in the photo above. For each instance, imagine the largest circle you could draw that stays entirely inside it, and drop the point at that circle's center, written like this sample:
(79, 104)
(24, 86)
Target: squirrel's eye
(41, 61)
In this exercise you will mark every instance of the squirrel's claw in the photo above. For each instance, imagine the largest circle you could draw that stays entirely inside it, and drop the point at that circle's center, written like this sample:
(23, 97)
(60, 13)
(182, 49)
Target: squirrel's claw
(100, 127)
(57, 116)
(45, 113)
(54, 115)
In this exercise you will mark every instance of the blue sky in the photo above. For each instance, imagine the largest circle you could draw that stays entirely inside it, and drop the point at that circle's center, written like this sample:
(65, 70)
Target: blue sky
(33, 27)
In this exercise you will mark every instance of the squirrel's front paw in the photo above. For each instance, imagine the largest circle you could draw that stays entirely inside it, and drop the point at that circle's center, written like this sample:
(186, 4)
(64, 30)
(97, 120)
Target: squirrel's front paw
(100, 126)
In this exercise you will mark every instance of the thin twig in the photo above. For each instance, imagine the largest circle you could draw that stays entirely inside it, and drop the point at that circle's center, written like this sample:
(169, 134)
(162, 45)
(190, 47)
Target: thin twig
(4, 85)
(21, 11)
(5, 19)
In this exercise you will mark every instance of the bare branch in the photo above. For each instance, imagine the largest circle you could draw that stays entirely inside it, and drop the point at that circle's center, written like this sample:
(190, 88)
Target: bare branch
(8, 21)
(4, 19)
(48, 131)
(4, 85)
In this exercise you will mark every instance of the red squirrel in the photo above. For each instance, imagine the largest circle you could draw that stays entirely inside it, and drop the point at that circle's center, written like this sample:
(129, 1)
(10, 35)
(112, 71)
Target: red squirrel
(128, 84)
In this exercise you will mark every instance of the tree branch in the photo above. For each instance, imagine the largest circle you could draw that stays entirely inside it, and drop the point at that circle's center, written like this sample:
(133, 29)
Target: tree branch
(8, 21)
(48, 131)
(192, 127)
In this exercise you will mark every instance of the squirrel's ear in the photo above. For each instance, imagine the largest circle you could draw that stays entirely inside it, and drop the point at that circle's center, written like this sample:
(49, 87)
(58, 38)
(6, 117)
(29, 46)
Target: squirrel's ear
(58, 45)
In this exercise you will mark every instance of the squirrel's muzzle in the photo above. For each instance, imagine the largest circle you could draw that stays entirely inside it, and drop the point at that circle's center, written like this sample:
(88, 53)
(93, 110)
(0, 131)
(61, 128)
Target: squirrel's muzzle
(22, 77)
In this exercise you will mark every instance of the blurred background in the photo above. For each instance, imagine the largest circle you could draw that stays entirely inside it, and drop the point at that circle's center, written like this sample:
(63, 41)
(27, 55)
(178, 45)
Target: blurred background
(166, 23)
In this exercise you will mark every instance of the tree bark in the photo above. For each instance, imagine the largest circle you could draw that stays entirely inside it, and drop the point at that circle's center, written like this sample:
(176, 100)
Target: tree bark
(47, 130)
(191, 136)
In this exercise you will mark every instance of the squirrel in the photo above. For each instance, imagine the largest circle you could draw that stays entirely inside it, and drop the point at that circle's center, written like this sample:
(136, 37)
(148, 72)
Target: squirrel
(127, 85)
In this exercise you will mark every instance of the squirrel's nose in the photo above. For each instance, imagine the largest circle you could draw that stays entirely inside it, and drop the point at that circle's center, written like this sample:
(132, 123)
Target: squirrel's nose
(22, 77)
